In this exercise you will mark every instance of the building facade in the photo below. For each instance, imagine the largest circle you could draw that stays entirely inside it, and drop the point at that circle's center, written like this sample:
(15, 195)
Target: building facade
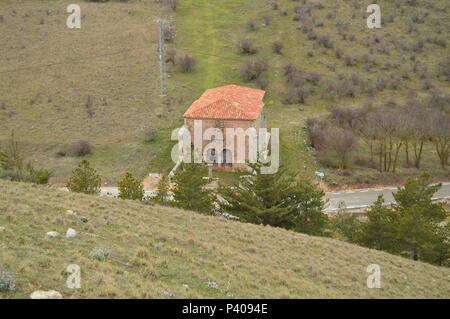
(227, 107)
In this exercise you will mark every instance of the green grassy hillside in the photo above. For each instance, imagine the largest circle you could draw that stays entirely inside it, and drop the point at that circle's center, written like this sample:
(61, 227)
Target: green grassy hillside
(113, 62)
(211, 30)
(156, 250)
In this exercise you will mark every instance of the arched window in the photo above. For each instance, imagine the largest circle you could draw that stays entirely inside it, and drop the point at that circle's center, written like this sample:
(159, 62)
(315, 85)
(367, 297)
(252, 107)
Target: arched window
(211, 156)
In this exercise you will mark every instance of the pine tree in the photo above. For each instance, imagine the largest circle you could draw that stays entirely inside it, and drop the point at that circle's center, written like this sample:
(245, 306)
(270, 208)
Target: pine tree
(347, 225)
(131, 188)
(276, 200)
(379, 230)
(11, 158)
(189, 192)
(259, 199)
(438, 251)
(307, 202)
(418, 216)
(411, 225)
(162, 194)
(84, 179)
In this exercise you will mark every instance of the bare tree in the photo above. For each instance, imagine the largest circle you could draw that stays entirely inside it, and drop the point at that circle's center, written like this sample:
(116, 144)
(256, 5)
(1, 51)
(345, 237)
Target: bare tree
(253, 69)
(440, 136)
(366, 130)
(384, 127)
(332, 142)
(419, 123)
(342, 143)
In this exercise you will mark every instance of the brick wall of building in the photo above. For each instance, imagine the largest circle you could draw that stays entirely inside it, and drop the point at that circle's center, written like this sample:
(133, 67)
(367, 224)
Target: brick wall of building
(223, 125)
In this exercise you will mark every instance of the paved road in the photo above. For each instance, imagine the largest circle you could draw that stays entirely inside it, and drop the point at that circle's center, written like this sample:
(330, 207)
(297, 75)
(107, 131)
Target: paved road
(364, 198)
(352, 200)
(114, 192)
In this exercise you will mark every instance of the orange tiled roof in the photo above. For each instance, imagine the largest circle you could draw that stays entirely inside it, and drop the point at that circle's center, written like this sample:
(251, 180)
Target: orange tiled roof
(228, 102)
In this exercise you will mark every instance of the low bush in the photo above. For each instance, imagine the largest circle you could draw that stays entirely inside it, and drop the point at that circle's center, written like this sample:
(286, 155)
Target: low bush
(277, 46)
(187, 63)
(246, 46)
(13, 166)
(251, 26)
(150, 136)
(324, 40)
(7, 282)
(171, 56)
(169, 33)
(295, 95)
(100, 254)
(81, 148)
(252, 70)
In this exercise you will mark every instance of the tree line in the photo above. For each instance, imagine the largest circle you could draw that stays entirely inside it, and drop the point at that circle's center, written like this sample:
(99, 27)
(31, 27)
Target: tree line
(383, 132)
(414, 226)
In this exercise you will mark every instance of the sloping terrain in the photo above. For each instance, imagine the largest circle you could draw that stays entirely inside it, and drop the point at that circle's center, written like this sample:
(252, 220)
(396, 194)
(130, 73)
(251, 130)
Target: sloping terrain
(156, 251)
(99, 83)
(331, 45)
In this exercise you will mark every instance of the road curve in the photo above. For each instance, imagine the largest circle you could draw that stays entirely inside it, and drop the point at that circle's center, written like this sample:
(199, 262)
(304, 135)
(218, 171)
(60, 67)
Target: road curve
(363, 198)
(352, 200)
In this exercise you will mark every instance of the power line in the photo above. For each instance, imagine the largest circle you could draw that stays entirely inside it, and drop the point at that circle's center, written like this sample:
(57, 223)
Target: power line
(162, 61)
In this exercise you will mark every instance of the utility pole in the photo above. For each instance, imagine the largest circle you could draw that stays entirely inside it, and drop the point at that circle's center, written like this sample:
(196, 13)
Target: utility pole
(162, 61)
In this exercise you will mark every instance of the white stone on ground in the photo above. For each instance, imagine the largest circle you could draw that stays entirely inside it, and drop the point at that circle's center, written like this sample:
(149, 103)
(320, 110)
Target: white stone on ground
(213, 285)
(52, 234)
(51, 294)
(70, 212)
(2, 228)
(71, 233)
(166, 293)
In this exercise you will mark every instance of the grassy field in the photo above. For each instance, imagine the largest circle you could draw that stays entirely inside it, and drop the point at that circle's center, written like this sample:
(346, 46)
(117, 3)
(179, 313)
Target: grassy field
(210, 31)
(113, 61)
(156, 250)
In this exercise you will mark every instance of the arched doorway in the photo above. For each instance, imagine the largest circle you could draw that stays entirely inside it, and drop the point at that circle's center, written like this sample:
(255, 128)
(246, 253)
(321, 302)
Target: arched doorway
(227, 157)
(211, 156)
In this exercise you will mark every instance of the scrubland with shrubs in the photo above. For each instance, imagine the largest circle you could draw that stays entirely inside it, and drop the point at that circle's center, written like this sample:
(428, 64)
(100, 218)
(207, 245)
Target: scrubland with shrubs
(312, 57)
(329, 80)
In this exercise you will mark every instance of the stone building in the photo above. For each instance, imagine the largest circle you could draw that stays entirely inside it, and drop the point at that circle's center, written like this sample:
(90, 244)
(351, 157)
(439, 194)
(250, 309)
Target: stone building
(231, 106)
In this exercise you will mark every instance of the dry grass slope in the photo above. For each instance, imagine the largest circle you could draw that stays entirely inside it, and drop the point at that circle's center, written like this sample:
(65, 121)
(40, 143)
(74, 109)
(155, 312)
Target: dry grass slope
(156, 250)
(48, 107)
(111, 61)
